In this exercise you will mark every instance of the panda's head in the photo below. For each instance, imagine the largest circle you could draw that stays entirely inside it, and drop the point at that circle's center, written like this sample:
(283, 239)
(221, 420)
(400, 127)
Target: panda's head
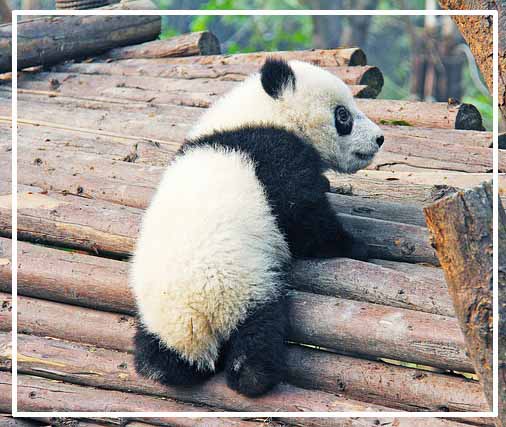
(307, 100)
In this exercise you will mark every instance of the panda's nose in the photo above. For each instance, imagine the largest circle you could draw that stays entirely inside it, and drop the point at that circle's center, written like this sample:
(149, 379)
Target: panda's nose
(380, 140)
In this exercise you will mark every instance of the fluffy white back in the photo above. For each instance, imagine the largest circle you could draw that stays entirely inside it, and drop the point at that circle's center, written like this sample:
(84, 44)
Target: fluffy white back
(308, 111)
(209, 250)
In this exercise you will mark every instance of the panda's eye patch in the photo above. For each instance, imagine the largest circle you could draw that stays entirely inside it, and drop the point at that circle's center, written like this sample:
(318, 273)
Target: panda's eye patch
(343, 119)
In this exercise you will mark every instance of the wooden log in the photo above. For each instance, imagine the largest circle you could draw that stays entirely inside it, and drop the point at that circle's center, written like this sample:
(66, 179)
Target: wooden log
(50, 40)
(396, 186)
(329, 403)
(291, 399)
(100, 283)
(368, 282)
(17, 422)
(350, 327)
(199, 93)
(372, 382)
(76, 221)
(132, 5)
(322, 57)
(318, 317)
(171, 124)
(422, 114)
(383, 384)
(401, 186)
(461, 225)
(198, 43)
(385, 112)
(365, 75)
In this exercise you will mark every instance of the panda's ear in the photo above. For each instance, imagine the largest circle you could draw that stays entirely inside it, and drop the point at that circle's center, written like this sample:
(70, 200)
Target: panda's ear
(276, 76)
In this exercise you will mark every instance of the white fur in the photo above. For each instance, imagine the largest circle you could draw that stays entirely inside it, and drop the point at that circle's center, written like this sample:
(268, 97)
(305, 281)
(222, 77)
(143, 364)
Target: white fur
(209, 250)
(307, 111)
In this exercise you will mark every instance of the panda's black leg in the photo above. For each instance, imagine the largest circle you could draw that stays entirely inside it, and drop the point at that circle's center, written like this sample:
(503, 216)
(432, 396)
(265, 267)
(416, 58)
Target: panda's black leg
(318, 233)
(155, 361)
(254, 361)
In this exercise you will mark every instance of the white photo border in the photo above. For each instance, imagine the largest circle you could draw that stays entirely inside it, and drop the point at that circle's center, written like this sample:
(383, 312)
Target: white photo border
(206, 414)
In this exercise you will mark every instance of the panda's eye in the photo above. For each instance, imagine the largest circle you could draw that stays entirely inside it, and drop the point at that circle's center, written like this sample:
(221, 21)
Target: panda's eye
(343, 119)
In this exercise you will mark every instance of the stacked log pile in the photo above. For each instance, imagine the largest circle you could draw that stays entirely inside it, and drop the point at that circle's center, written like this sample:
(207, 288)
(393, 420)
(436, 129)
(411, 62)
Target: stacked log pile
(93, 140)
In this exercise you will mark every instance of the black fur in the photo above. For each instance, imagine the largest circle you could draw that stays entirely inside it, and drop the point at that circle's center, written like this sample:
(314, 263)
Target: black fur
(291, 171)
(154, 360)
(254, 359)
(276, 75)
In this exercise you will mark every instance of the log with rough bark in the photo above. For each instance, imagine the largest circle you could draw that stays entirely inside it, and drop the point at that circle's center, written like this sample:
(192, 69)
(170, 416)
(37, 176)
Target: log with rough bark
(198, 43)
(169, 125)
(365, 75)
(156, 90)
(60, 276)
(62, 394)
(348, 326)
(49, 40)
(372, 382)
(461, 225)
(132, 5)
(77, 221)
(322, 57)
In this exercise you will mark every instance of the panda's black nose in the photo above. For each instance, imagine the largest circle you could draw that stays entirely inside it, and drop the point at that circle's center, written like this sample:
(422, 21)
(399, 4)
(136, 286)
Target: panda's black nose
(380, 140)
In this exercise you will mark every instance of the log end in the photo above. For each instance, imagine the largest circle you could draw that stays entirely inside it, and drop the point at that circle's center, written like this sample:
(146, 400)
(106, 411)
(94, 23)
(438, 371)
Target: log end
(357, 57)
(373, 80)
(209, 44)
(502, 141)
(468, 118)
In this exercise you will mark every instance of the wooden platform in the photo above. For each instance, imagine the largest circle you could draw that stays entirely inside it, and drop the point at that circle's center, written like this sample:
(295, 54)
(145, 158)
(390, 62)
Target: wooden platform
(93, 140)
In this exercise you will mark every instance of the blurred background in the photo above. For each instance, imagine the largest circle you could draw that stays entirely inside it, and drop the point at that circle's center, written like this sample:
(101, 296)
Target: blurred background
(422, 58)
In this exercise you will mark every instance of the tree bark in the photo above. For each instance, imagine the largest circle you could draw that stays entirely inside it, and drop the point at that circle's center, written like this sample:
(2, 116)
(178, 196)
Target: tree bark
(372, 382)
(461, 225)
(46, 41)
(198, 43)
(347, 326)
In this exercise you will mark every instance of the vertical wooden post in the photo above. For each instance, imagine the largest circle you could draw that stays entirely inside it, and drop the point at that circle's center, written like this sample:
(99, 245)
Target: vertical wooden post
(461, 227)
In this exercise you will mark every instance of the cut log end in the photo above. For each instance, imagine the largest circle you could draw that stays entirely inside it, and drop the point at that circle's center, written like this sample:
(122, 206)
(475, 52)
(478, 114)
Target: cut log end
(373, 80)
(469, 118)
(357, 57)
(209, 44)
(502, 141)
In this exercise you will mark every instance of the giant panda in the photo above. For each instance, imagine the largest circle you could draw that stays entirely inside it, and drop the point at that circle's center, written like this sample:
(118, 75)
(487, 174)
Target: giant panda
(244, 196)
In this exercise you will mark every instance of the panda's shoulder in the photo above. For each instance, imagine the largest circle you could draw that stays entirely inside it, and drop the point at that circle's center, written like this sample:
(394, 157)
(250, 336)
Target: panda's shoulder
(264, 144)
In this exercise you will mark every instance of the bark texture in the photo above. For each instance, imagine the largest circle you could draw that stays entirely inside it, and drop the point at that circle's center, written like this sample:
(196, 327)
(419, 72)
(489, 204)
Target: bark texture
(461, 225)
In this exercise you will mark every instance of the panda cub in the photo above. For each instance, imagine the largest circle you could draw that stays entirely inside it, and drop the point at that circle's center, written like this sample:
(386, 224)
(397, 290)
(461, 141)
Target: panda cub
(244, 195)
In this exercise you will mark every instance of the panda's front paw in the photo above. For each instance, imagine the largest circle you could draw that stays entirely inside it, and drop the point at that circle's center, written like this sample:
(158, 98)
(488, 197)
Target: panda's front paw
(251, 377)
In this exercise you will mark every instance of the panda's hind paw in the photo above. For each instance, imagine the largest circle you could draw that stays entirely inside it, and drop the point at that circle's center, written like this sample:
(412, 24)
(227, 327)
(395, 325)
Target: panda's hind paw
(251, 377)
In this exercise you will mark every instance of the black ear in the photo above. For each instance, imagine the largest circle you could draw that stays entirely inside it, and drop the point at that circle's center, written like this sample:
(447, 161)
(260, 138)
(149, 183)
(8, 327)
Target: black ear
(276, 76)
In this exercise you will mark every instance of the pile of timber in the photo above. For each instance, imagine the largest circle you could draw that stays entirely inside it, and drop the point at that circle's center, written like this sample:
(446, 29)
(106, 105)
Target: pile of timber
(94, 137)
